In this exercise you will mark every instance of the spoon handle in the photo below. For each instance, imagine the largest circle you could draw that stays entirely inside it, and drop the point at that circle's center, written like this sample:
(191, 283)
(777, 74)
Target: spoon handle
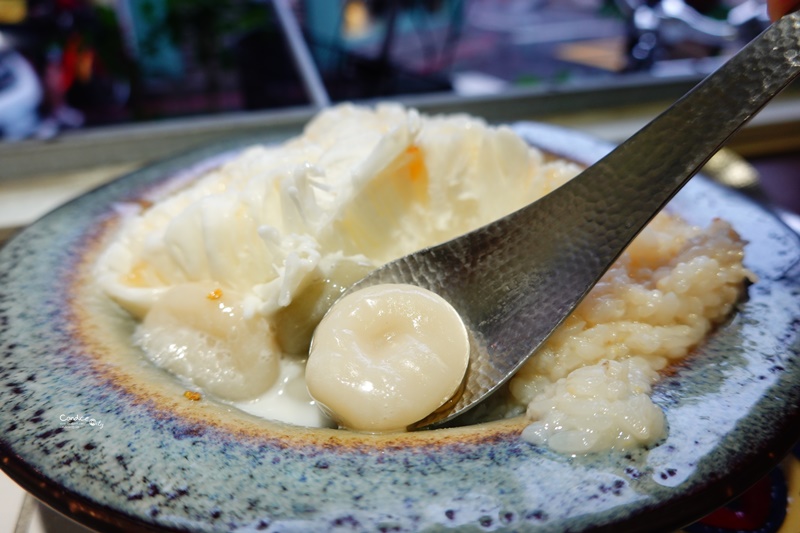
(597, 214)
(515, 280)
(600, 212)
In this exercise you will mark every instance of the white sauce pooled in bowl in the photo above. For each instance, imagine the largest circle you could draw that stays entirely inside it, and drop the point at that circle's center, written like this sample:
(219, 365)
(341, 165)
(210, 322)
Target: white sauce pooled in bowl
(281, 231)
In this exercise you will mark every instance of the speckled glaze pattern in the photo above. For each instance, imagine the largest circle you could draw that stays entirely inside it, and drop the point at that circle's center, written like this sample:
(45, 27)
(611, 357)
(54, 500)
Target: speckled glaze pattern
(91, 428)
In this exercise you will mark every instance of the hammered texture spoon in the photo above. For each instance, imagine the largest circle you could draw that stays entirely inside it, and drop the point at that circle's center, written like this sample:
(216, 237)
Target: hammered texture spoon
(515, 280)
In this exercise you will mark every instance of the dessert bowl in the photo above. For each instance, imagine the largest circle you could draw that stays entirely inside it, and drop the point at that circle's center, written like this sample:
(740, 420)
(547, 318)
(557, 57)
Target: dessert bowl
(96, 431)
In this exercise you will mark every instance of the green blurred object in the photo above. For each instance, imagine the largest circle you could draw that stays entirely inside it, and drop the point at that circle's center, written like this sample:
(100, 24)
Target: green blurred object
(158, 56)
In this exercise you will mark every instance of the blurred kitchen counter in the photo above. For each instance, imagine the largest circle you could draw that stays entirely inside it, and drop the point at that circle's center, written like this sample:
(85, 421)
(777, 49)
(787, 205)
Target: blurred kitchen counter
(24, 200)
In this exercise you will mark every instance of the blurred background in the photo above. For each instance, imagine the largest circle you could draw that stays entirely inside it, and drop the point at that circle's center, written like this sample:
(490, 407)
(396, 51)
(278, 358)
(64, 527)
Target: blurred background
(67, 64)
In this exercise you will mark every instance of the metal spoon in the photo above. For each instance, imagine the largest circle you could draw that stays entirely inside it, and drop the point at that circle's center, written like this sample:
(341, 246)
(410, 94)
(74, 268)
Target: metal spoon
(515, 280)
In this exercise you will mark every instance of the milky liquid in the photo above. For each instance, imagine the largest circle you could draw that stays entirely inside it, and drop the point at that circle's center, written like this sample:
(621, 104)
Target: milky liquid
(288, 399)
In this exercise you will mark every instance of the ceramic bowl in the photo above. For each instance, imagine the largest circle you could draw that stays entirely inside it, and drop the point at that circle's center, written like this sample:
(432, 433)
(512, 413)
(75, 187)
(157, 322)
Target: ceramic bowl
(95, 431)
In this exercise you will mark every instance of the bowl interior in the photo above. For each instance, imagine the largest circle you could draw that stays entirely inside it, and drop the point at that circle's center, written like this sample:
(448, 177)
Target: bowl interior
(97, 432)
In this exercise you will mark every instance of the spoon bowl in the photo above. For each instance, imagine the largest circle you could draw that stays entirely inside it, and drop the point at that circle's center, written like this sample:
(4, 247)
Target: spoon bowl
(514, 281)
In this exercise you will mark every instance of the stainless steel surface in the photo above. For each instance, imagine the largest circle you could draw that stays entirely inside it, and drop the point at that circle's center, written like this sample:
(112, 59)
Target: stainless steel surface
(515, 280)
